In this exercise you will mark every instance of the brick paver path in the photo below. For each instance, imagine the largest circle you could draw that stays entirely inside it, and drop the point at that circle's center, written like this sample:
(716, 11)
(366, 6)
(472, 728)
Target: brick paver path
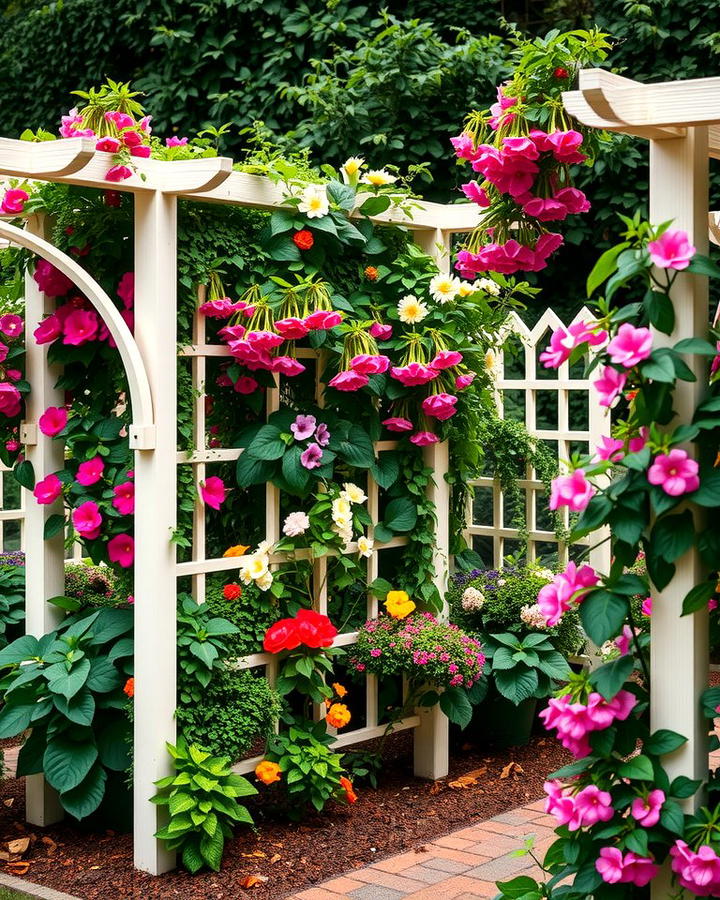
(460, 866)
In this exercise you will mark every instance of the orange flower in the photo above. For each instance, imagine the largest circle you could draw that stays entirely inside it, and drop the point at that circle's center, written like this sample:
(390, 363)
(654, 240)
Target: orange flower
(338, 715)
(237, 550)
(267, 772)
(339, 690)
(371, 273)
(347, 786)
(232, 591)
(129, 688)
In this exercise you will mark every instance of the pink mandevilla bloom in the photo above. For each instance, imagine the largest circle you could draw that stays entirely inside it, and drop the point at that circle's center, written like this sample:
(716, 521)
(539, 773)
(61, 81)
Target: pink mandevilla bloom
(245, 385)
(48, 330)
(124, 499)
(413, 374)
(367, 364)
(118, 173)
(446, 359)
(647, 606)
(90, 471)
(474, 192)
(424, 438)
(440, 406)
(53, 420)
(11, 325)
(381, 332)
(80, 327)
(175, 141)
(646, 810)
(87, 520)
(630, 345)
(312, 457)
(50, 280)
(675, 472)
(348, 381)
(291, 329)
(303, 427)
(573, 491)
(121, 549)
(212, 490)
(398, 423)
(554, 599)
(672, 250)
(610, 385)
(322, 320)
(623, 640)
(108, 145)
(48, 490)
(609, 449)
(13, 201)
(564, 340)
(10, 399)
(591, 806)
(464, 381)
(287, 366)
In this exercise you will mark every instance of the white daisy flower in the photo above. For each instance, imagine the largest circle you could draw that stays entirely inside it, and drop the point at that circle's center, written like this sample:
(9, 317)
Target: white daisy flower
(411, 310)
(487, 285)
(365, 546)
(350, 169)
(444, 288)
(466, 289)
(378, 178)
(314, 201)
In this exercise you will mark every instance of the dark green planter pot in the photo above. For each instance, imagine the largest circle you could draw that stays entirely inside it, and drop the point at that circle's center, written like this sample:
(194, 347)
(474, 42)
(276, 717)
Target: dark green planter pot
(499, 723)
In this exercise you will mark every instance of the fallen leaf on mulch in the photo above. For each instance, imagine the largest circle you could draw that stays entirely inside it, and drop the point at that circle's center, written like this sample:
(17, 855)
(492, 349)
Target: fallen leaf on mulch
(50, 844)
(251, 881)
(436, 787)
(255, 853)
(9, 802)
(466, 781)
(514, 769)
(18, 868)
(18, 846)
(275, 858)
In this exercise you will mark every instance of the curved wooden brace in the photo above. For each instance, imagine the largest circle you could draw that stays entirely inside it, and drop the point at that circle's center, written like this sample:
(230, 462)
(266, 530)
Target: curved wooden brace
(714, 227)
(45, 159)
(142, 431)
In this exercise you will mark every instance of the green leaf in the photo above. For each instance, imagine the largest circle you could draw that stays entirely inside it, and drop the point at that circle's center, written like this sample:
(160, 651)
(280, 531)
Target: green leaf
(604, 267)
(357, 449)
(114, 744)
(660, 310)
(708, 494)
(637, 841)
(281, 220)
(295, 474)
(25, 474)
(191, 857)
(517, 888)
(25, 647)
(267, 444)
(342, 194)
(60, 681)
(697, 597)
(696, 346)
(672, 536)
(251, 471)
(80, 709)
(672, 818)
(211, 848)
(53, 524)
(87, 796)
(703, 265)
(663, 741)
(400, 515)
(602, 614)
(518, 684)
(454, 702)
(66, 762)
(181, 803)
(659, 367)
(684, 787)
(386, 469)
(639, 768)
(608, 679)
(15, 719)
(373, 206)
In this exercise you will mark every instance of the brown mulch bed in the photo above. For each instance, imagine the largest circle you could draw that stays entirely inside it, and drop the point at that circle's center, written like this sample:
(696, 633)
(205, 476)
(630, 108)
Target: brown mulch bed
(401, 814)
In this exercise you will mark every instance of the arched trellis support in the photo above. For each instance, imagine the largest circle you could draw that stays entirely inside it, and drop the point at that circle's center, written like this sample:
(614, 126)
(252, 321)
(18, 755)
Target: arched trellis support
(142, 430)
(681, 120)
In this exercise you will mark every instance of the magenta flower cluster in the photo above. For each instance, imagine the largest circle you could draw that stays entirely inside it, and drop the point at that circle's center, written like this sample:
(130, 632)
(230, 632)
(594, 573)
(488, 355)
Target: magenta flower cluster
(574, 721)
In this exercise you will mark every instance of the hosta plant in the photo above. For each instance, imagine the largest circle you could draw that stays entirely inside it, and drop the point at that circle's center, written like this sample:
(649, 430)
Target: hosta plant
(202, 802)
(524, 667)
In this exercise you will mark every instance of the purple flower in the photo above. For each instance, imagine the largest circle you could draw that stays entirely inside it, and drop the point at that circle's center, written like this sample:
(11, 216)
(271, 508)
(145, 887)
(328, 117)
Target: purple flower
(322, 435)
(303, 427)
(312, 457)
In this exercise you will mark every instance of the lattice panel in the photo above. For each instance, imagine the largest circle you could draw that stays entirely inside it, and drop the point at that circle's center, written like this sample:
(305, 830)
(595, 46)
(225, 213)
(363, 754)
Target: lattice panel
(12, 512)
(557, 407)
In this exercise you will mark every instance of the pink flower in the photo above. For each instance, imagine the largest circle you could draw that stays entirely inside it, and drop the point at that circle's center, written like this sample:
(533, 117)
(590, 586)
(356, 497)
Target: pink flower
(573, 199)
(675, 472)
(697, 872)
(312, 457)
(70, 126)
(262, 340)
(564, 146)
(13, 201)
(80, 327)
(108, 145)
(144, 124)
(221, 308)
(50, 280)
(630, 345)
(672, 250)
(212, 490)
(464, 381)
(322, 435)
(10, 400)
(646, 608)
(397, 423)
(554, 599)
(287, 366)
(592, 806)
(440, 406)
(622, 641)
(366, 364)
(519, 147)
(564, 340)
(609, 449)
(545, 209)
(245, 385)
(424, 438)
(124, 500)
(120, 120)
(573, 491)
(126, 289)
(646, 811)
(636, 444)
(322, 320)
(118, 173)
(381, 332)
(291, 329)
(141, 150)
(48, 490)
(464, 148)
(48, 330)
(87, 520)
(13, 374)
(53, 420)
(474, 192)
(90, 471)
(610, 385)
(348, 381)
(413, 374)
(4, 349)
(638, 870)
(11, 325)
(446, 359)
(175, 141)
(303, 427)
(12, 445)
(610, 865)
(121, 549)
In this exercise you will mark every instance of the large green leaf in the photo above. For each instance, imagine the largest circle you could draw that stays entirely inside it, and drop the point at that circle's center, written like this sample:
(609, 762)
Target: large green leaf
(400, 514)
(455, 703)
(639, 768)
(604, 267)
(517, 684)
(295, 474)
(25, 647)
(66, 762)
(60, 681)
(251, 471)
(602, 614)
(80, 709)
(211, 847)
(663, 741)
(357, 450)
(708, 494)
(15, 719)
(25, 474)
(113, 743)
(84, 799)
(608, 679)
(103, 677)
(673, 535)
(267, 444)
(386, 469)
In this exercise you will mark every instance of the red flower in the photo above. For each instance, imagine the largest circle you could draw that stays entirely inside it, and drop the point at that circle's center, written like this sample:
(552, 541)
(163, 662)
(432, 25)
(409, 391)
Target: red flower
(314, 629)
(232, 592)
(561, 73)
(371, 273)
(281, 636)
(303, 240)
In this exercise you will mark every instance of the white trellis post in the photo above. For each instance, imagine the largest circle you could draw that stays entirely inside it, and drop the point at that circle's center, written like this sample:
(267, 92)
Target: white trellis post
(45, 576)
(155, 521)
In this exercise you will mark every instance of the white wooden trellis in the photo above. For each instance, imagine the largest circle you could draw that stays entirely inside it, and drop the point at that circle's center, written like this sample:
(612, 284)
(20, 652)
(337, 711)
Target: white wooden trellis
(150, 359)
(557, 384)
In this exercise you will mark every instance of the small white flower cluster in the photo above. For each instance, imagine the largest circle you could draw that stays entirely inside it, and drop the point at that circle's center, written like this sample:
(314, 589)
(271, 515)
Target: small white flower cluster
(533, 617)
(342, 516)
(443, 289)
(256, 567)
(314, 201)
(473, 600)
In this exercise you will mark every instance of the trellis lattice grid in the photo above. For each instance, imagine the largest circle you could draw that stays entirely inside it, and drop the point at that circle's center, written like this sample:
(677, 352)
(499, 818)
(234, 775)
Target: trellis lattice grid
(558, 407)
